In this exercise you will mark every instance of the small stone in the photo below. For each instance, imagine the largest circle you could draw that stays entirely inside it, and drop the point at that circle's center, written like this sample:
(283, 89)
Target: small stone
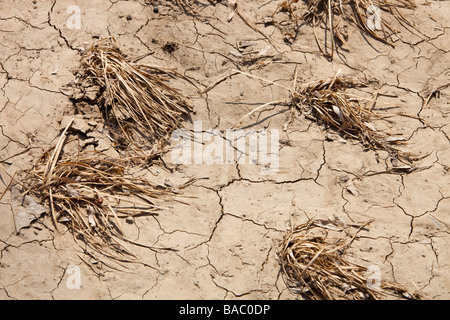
(129, 17)
(129, 220)
(268, 20)
(277, 57)
(352, 189)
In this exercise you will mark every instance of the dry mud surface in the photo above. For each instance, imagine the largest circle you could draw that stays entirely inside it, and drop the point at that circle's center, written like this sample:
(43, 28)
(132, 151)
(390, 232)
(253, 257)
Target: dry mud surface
(228, 235)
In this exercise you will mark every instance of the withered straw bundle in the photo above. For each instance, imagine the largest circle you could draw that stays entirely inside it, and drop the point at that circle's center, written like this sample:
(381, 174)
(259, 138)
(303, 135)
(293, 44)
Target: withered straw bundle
(139, 105)
(314, 264)
(369, 16)
(190, 7)
(185, 6)
(92, 195)
(327, 102)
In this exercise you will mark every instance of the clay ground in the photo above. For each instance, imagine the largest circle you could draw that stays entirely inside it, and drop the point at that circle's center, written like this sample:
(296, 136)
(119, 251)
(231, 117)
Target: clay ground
(228, 236)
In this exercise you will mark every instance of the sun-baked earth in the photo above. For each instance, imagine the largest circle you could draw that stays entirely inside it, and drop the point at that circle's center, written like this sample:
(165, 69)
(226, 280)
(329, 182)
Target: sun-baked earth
(228, 228)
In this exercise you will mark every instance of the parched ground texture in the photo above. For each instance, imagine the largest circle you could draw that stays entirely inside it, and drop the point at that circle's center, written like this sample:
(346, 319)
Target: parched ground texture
(228, 236)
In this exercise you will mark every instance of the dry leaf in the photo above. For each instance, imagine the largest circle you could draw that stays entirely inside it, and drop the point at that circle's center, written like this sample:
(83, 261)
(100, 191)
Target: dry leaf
(395, 139)
(370, 126)
(338, 112)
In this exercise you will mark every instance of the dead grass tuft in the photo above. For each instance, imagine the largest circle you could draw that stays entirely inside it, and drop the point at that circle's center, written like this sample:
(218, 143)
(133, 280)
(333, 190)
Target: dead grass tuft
(314, 264)
(92, 195)
(380, 19)
(327, 102)
(139, 106)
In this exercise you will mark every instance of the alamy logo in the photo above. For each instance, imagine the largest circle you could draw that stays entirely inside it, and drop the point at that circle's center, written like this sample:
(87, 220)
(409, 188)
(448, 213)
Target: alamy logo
(258, 147)
(373, 275)
(73, 277)
(74, 21)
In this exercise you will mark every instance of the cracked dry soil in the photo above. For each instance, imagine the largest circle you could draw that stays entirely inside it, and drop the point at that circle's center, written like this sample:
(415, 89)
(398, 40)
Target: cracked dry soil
(228, 236)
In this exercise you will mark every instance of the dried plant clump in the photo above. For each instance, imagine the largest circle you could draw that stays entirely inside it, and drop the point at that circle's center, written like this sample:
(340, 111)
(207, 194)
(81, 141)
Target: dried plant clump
(314, 264)
(368, 16)
(327, 102)
(188, 6)
(92, 195)
(139, 106)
